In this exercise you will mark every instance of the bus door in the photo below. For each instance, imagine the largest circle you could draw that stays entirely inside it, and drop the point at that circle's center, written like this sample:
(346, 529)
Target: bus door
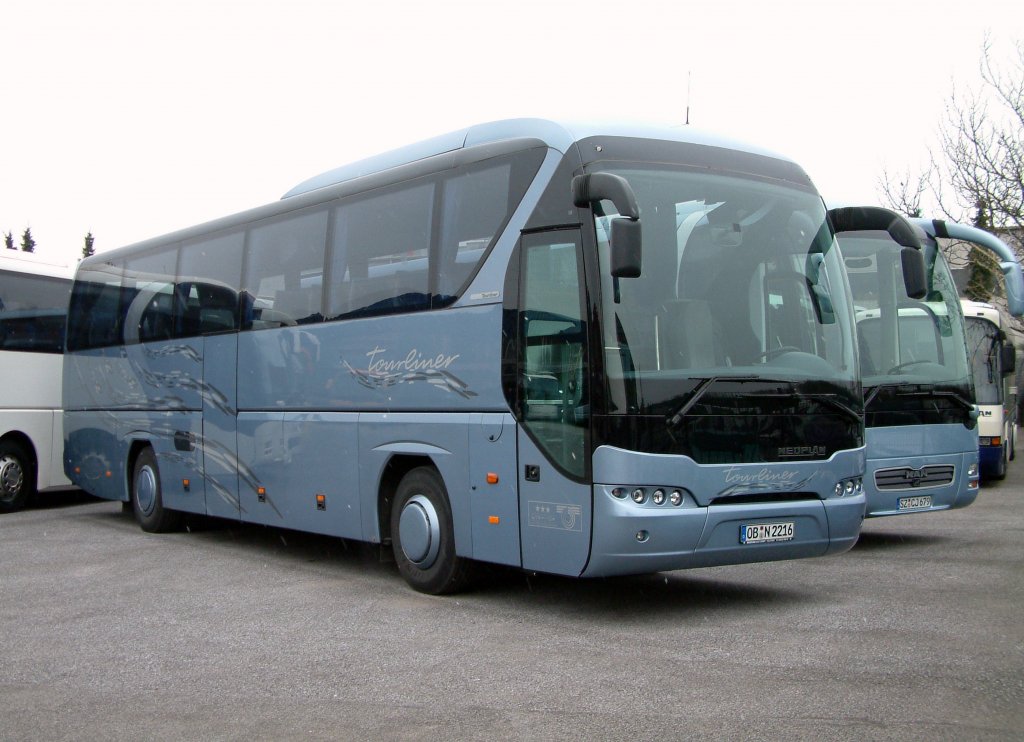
(214, 308)
(555, 504)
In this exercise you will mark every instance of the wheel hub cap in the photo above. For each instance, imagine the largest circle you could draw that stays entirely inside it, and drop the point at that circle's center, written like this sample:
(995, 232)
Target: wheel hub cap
(145, 490)
(11, 476)
(419, 531)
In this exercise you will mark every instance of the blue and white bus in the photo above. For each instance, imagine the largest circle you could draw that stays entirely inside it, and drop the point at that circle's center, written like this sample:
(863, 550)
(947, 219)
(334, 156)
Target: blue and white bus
(922, 430)
(993, 363)
(33, 308)
(437, 349)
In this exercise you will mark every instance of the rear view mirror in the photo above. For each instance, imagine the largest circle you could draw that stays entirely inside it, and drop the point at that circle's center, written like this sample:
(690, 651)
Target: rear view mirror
(1008, 361)
(626, 243)
(915, 278)
(626, 248)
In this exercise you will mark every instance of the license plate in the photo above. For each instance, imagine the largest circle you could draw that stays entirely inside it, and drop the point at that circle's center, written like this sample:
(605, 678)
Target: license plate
(913, 503)
(766, 533)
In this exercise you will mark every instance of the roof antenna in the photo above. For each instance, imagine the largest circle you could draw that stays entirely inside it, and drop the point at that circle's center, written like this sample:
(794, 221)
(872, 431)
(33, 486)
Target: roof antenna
(688, 97)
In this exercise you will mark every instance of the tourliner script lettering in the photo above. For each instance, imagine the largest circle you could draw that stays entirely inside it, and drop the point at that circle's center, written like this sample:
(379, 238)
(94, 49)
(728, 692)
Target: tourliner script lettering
(733, 475)
(414, 361)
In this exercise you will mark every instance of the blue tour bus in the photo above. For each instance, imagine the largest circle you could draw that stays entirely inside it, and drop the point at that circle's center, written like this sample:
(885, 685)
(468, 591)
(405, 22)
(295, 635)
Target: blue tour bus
(922, 430)
(464, 350)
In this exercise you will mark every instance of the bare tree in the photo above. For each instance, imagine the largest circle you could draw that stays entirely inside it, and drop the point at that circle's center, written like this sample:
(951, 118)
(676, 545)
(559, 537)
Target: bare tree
(904, 190)
(981, 140)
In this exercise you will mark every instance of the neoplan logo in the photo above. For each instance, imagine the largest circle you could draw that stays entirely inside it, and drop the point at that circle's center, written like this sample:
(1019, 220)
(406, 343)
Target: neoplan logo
(801, 451)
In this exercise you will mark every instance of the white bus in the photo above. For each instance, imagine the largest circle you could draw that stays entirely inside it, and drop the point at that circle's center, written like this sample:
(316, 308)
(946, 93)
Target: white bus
(33, 309)
(993, 364)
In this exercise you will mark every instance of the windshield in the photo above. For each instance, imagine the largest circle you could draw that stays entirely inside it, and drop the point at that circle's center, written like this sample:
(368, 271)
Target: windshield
(983, 348)
(741, 279)
(913, 356)
(736, 342)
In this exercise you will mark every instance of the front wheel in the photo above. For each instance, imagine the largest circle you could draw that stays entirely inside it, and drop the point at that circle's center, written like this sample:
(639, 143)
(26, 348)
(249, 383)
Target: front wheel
(17, 477)
(147, 498)
(422, 536)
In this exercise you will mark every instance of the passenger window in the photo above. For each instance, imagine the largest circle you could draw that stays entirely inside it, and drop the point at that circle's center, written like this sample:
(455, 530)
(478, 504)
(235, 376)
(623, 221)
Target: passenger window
(380, 253)
(95, 318)
(148, 293)
(33, 310)
(209, 275)
(476, 205)
(284, 274)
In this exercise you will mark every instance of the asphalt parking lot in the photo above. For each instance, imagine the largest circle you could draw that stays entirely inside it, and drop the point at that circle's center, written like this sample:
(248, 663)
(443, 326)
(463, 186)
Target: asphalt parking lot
(236, 632)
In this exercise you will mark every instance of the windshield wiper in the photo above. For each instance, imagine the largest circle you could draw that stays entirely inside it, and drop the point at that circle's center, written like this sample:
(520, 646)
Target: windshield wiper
(701, 388)
(895, 385)
(830, 401)
(698, 391)
(956, 397)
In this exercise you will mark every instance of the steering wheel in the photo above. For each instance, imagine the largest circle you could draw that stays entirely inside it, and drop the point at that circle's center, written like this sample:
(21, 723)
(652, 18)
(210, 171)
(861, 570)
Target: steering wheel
(772, 353)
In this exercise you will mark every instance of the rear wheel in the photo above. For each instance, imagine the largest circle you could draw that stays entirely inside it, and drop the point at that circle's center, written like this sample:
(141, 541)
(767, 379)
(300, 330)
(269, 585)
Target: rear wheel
(17, 477)
(147, 499)
(422, 536)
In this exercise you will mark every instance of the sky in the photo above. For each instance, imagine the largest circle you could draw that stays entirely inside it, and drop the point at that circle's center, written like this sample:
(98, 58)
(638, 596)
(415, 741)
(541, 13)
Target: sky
(132, 118)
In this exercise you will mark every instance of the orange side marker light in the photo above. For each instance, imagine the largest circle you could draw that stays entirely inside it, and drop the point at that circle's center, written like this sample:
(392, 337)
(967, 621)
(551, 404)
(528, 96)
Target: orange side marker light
(492, 478)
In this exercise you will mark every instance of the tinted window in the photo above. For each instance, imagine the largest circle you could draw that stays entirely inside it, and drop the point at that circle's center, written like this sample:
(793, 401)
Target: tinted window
(476, 206)
(148, 290)
(95, 318)
(284, 271)
(209, 276)
(32, 312)
(380, 252)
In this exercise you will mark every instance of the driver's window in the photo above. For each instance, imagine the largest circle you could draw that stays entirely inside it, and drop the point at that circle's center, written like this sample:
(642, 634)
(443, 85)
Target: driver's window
(553, 352)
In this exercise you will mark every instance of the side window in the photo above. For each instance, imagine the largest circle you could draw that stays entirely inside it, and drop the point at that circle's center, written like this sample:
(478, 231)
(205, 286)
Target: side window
(284, 271)
(209, 275)
(553, 357)
(476, 205)
(149, 314)
(32, 312)
(380, 253)
(94, 317)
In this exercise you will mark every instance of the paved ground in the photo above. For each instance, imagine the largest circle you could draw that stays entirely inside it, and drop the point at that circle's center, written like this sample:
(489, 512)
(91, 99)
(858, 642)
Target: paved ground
(234, 632)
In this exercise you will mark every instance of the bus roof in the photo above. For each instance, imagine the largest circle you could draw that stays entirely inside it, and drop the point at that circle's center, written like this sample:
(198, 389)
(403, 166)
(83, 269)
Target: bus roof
(497, 137)
(559, 136)
(20, 261)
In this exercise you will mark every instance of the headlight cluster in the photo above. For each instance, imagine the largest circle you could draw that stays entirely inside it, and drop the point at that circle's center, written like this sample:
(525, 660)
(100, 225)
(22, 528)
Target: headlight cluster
(972, 469)
(656, 496)
(849, 487)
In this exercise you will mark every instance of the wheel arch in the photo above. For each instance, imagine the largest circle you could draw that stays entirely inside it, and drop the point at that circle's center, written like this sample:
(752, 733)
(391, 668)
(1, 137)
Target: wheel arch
(394, 470)
(135, 447)
(22, 440)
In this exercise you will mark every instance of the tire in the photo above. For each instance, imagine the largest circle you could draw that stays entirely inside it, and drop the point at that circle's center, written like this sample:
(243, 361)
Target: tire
(17, 477)
(422, 536)
(147, 498)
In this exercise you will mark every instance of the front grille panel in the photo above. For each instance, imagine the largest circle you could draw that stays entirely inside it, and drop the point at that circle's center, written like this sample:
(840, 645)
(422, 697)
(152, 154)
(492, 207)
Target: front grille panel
(908, 478)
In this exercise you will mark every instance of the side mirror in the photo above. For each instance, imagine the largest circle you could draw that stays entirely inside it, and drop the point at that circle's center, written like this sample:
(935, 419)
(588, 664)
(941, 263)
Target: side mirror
(626, 242)
(626, 248)
(869, 218)
(915, 277)
(1008, 359)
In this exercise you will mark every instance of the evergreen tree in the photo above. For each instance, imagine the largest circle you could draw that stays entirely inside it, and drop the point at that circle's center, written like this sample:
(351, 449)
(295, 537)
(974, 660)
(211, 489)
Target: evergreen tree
(27, 243)
(88, 250)
(9, 240)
